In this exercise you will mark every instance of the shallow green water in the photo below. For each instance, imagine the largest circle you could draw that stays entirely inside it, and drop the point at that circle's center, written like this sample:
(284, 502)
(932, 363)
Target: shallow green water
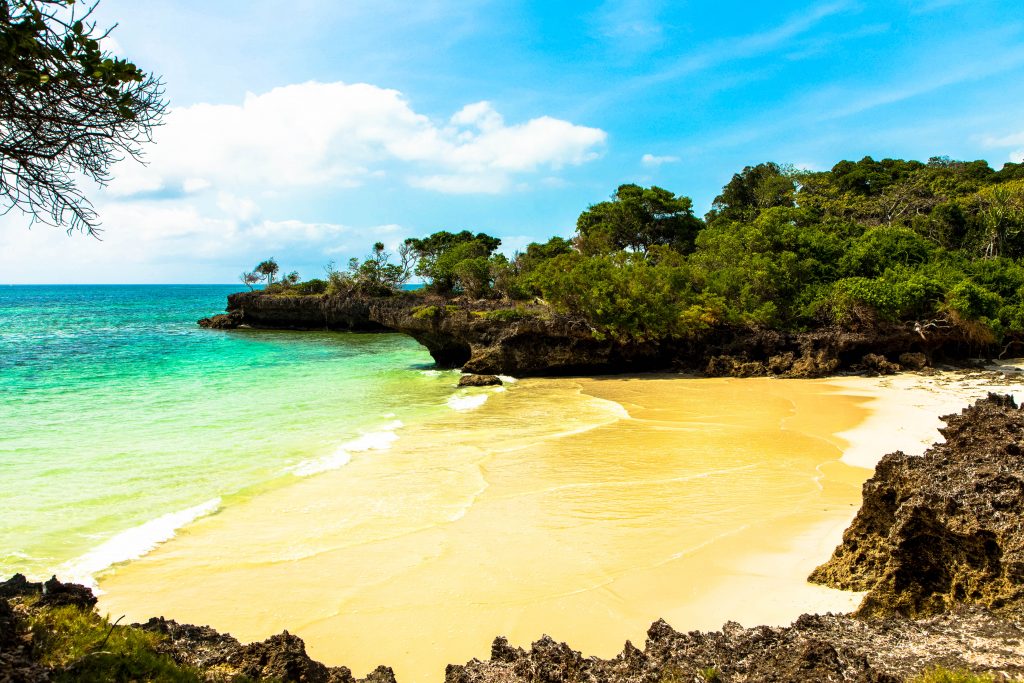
(121, 420)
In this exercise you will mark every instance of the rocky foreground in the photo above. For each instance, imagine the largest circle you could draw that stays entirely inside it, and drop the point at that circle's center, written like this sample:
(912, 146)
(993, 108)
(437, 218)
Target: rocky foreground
(938, 545)
(522, 339)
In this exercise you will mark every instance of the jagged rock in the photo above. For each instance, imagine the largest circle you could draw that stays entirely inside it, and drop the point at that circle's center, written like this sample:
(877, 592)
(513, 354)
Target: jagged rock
(944, 528)
(913, 361)
(222, 321)
(479, 381)
(877, 364)
(19, 586)
(781, 364)
(382, 674)
(57, 594)
(814, 648)
(282, 657)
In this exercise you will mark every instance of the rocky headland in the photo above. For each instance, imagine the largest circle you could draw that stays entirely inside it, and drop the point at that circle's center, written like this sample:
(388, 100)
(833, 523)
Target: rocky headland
(523, 339)
(937, 546)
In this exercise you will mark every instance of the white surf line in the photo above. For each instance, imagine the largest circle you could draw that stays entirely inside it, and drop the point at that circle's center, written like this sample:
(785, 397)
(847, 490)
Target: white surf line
(132, 544)
(379, 440)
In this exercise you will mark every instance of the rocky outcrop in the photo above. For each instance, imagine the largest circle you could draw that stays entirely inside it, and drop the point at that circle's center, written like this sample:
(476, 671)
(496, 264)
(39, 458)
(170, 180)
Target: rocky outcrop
(278, 658)
(494, 337)
(942, 529)
(814, 648)
(216, 657)
(480, 381)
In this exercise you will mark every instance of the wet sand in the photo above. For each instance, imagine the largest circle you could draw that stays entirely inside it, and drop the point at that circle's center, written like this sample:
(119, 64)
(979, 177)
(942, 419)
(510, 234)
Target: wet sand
(584, 509)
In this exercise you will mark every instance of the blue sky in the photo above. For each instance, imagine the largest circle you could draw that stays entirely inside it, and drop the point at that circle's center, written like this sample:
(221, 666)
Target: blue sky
(308, 131)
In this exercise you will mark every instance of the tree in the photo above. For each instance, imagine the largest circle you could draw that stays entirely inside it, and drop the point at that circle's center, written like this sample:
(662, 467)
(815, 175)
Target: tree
(439, 255)
(249, 279)
(754, 189)
(637, 219)
(376, 275)
(67, 107)
(268, 269)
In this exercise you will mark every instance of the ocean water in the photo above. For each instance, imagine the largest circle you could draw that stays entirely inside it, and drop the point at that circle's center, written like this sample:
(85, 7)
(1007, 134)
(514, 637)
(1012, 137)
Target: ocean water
(121, 421)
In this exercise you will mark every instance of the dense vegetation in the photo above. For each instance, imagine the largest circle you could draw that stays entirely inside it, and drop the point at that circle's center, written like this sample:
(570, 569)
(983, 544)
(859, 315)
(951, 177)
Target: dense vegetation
(867, 243)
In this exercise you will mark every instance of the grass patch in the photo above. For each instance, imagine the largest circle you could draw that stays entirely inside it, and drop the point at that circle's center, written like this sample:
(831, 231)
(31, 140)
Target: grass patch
(504, 314)
(943, 675)
(82, 646)
(423, 312)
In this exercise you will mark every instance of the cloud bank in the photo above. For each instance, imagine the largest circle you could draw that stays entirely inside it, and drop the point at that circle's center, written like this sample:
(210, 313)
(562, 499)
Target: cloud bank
(336, 135)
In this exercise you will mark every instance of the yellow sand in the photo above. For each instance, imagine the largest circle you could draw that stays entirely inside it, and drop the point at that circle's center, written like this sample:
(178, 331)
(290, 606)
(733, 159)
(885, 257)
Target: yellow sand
(584, 509)
(546, 510)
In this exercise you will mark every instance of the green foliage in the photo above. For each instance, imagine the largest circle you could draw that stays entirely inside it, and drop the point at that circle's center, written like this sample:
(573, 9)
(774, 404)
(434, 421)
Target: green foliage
(267, 270)
(84, 647)
(754, 189)
(940, 674)
(439, 259)
(637, 219)
(973, 301)
(711, 674)
(900, 294)
(865, 243)
(506, 315)
(880, 249)
(425, 312)
(622, 295)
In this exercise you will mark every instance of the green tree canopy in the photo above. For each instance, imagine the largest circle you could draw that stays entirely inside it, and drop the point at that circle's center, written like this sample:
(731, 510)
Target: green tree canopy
(439, 257)
(638, 218)
(753, 190)
(67, 107)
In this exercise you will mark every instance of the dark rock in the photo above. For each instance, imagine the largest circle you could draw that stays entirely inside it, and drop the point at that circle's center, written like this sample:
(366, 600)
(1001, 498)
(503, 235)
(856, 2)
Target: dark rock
(501, 651)
(479, 381)
(222, 321)
(942, 529)
(877, 364)
(57, 594)
(481, 338)
(382, 674)
(913, 361)
(19, 586)
(282, 657)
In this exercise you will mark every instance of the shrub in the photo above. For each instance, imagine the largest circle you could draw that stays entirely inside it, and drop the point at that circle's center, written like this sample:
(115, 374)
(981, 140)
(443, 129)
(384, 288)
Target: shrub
(82, 646)
(423, 312)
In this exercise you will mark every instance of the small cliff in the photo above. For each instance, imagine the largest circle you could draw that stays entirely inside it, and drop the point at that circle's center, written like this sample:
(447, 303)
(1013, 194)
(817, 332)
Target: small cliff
(945, 528)
(491, 337)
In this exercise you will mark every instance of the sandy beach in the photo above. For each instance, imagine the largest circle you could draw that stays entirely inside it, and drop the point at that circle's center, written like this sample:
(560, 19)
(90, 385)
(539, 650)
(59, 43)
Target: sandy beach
(580, 508)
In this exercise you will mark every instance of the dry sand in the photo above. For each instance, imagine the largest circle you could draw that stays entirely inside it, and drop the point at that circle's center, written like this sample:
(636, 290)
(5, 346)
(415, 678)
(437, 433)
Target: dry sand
(584, 509)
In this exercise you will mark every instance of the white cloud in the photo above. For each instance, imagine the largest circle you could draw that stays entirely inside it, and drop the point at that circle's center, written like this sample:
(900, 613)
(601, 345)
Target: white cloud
(239, 208)
(1013, 140)
(193, 185)
(655, 161)
(160, 241)
(324, 135)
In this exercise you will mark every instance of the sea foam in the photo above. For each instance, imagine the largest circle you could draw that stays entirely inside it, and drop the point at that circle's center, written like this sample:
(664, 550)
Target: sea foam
(379, 440)
(131, 544)
(463, 402)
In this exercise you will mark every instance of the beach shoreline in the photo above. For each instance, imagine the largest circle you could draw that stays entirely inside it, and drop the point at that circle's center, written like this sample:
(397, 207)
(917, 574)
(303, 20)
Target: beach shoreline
(699, 585)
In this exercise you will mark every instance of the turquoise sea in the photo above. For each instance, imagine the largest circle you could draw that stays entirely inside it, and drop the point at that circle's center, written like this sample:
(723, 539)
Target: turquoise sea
(121, 420)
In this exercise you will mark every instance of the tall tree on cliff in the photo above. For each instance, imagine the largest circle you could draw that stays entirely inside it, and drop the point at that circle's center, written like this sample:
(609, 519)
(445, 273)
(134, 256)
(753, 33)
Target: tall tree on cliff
(67, 107)
(268, 269)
